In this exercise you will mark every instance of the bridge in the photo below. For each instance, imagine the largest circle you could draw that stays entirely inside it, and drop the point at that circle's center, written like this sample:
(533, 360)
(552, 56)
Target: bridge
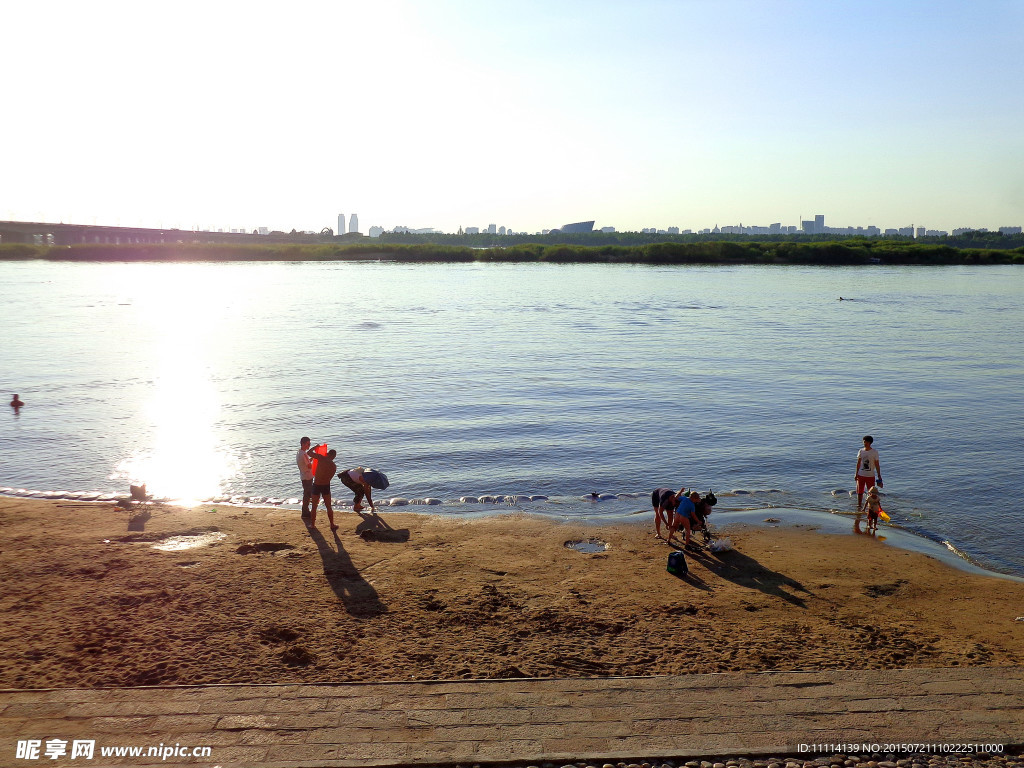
(43, 233)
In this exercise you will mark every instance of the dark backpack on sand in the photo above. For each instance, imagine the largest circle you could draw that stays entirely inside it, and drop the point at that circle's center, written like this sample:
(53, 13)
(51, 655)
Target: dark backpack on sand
(677, 564)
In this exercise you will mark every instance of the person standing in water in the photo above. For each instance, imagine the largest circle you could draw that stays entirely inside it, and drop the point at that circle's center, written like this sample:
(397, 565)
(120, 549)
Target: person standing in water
(867, 470)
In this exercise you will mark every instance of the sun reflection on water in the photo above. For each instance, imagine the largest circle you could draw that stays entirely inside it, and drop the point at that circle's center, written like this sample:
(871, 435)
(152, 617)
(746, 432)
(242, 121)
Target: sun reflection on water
(184, 458)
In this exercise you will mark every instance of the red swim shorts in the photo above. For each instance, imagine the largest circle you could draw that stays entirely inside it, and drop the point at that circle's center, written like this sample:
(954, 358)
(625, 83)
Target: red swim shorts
(864, 483)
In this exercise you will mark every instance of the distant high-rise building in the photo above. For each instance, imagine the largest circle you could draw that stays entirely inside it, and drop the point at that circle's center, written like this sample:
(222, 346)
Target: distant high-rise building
(341, 223)
(492, 229)
(353, 223)
(579, 226)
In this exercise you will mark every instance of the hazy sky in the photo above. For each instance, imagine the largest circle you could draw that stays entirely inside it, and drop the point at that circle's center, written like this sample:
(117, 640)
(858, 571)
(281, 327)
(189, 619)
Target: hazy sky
(529, 115)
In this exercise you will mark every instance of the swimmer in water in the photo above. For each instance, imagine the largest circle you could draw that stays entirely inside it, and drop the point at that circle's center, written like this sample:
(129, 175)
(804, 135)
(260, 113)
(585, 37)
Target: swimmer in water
(16, 402)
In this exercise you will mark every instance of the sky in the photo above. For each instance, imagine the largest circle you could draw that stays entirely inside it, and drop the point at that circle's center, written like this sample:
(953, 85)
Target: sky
(527, 114)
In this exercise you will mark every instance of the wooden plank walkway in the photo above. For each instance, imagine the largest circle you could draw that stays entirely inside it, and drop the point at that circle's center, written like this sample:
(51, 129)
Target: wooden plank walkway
(543, 720)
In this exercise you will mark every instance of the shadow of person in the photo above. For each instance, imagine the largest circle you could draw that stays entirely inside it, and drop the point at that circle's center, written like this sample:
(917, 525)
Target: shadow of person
(137, 522)
(695, 581)
(375, 528)
(358, 595)
(747, 572)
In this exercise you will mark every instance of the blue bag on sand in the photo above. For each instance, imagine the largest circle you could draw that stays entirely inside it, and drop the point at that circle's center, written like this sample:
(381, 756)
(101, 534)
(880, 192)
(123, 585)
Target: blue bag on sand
(677, 564)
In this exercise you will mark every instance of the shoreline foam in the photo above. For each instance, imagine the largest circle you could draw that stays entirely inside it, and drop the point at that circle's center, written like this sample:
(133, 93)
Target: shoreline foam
(899, 534)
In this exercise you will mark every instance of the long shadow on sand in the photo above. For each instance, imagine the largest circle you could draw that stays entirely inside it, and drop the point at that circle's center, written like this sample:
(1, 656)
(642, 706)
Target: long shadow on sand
(747, 572)
(375, 528)
(356, 593)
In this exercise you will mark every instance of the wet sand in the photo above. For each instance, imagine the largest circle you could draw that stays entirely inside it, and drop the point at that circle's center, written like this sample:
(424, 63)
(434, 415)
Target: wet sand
(86, 600)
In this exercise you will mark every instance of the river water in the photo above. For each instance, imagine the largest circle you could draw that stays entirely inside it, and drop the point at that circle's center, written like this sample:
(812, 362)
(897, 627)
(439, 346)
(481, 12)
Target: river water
(527, 379)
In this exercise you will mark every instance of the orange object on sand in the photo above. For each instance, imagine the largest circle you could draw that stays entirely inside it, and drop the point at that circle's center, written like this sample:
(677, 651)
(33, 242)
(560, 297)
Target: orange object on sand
(320, 450)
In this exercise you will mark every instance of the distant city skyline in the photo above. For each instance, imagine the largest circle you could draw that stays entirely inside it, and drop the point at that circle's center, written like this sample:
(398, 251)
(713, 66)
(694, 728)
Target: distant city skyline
(814, 226)
(637, 114)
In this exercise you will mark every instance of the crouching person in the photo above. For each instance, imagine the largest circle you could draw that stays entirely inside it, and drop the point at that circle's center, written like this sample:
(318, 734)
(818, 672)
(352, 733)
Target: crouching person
(685, 516)
(664, 501)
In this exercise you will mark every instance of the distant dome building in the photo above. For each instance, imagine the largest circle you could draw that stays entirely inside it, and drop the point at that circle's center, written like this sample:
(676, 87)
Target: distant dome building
(579, 226)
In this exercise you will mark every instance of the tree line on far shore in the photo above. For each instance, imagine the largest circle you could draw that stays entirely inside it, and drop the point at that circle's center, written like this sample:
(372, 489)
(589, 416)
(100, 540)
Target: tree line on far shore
(849, 251)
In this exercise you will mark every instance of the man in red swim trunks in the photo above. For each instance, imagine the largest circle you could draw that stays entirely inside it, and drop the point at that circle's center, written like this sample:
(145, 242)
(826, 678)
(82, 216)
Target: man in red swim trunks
(867, 468)
(325, 469)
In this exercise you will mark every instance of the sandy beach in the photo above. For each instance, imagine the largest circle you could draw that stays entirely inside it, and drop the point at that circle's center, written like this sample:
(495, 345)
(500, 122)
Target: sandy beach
(87, 600)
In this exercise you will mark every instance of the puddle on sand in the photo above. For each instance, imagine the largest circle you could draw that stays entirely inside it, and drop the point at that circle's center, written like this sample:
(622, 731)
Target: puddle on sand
(590, 546)
(179, 543)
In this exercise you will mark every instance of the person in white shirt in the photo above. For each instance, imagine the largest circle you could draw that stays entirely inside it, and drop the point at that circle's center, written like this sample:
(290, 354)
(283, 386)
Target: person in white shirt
(867, 470)
(305, 474)
(354, 481)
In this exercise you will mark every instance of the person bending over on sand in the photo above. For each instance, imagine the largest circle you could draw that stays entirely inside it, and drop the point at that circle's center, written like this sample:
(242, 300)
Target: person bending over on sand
(873, 505)
(354, 481)
(867, 468)
(325, 469)
(664, 501)
(685, 515)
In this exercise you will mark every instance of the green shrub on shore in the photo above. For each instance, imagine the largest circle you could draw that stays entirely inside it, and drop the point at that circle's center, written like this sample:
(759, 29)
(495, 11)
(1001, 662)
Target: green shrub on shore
(850, 251)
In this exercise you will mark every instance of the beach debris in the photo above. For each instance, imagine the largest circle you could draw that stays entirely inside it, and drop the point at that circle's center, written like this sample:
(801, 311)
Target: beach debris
(589, 546)
(188, 541)
(772, 520)
(875, 591)
(1019, 618)
(260, 547)
(721, 545)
